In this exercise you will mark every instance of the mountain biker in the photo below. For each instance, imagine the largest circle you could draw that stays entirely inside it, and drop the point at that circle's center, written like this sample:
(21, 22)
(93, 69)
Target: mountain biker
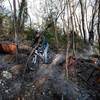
(44, 44)
(36, 42)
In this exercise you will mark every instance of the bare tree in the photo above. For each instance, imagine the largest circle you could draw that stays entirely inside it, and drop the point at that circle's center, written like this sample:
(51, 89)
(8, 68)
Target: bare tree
(53, 9)
(98, 25)
(22, 15)
(72, 24)
(83, 19)
(15, 28)
(91, 27)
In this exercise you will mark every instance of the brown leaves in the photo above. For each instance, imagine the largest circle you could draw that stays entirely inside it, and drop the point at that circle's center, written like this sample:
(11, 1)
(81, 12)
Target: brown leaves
(8, 48)
(71, 66)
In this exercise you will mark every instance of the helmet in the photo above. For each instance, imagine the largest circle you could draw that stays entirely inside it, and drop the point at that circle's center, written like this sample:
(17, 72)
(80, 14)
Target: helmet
(37, 33)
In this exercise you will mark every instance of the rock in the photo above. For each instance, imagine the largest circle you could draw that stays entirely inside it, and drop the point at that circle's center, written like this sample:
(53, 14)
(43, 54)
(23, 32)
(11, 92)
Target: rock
(6, 74)
(10, 89)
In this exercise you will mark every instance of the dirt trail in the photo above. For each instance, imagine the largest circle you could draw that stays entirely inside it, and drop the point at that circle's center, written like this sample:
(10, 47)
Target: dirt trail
(47, 82)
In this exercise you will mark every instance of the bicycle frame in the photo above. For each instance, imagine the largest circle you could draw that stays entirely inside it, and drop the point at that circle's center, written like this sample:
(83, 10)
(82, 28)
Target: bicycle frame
(37, 54)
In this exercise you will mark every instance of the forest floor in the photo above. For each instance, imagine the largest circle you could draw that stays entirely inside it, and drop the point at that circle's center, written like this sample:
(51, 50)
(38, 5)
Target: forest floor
(48, 81)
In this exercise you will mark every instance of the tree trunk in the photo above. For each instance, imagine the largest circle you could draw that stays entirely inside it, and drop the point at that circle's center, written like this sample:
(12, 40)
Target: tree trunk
(98, 26)
(1, 24)
(92, 21)
(15, 28)
(83, 21)
(79, 26)
(72, 26)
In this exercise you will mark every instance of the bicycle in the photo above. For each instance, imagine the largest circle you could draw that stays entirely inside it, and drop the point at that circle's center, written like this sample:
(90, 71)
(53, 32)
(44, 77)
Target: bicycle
(37, 55)
(37, 58)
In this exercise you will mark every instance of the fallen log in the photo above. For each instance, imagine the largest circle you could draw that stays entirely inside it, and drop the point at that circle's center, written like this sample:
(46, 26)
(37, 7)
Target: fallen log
(58, 59)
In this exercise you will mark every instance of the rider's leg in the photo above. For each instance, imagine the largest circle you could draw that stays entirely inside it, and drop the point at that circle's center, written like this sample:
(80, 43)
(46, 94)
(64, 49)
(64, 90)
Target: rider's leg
(46, 54)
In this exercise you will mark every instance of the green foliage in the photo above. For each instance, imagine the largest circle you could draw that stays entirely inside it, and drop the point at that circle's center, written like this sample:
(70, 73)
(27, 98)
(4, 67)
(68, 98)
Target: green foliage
(52, 41)
(78, 42)
(29, 33)
(97, 46)
(62, 40)
(50, 37)
(5, 23)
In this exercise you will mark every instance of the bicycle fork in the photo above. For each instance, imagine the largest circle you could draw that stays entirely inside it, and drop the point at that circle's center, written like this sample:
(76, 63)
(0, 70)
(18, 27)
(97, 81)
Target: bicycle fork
(34, 60)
